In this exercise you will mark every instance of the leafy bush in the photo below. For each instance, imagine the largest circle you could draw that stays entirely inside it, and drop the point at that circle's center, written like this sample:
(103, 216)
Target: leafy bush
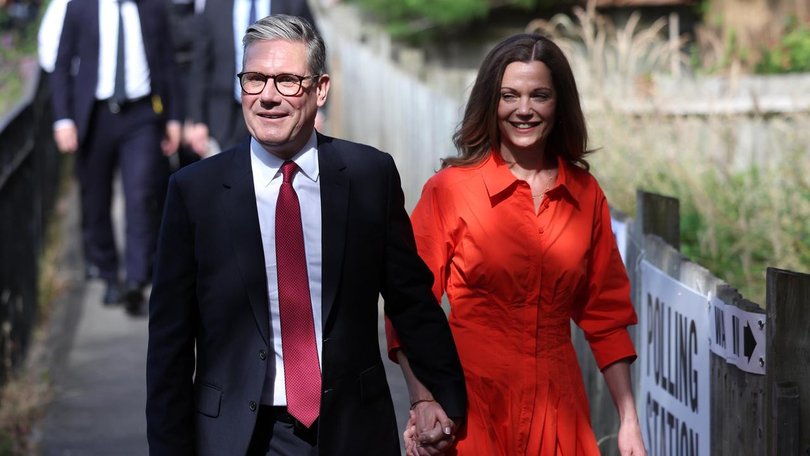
(406, 19)
(739, 214)
(17, 42)
(736, 220)
(791, 54)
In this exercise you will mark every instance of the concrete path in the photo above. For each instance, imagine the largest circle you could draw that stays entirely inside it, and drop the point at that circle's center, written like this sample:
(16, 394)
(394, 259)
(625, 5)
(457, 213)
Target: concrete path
(99, 355)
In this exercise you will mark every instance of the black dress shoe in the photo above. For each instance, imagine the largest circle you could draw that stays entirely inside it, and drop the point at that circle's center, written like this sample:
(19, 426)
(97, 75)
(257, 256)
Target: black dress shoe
(113, 294)
(135, 304)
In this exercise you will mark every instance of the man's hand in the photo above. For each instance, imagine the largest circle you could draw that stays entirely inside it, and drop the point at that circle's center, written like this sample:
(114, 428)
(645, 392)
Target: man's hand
(196, 136)
(429, 431)
(171, 141)
(66, 138)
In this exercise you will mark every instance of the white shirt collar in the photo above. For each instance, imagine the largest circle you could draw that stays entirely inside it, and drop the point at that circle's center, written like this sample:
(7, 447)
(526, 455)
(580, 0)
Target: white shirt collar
(266, 165)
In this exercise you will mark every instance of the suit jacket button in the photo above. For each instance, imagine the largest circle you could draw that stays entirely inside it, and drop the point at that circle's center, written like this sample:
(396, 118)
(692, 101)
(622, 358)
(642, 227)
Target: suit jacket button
(252, 406)
(262, 355)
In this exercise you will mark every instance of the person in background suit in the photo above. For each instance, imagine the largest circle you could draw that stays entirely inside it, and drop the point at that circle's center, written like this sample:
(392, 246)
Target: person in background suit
(184, 18)
(214, 113)
(114, 120)
(264, 312)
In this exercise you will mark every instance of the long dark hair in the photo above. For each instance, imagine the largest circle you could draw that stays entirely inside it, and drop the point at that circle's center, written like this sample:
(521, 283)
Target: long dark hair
(478, 131)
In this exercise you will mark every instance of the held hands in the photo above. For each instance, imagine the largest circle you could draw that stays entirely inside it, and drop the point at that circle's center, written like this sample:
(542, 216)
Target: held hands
(429, 431)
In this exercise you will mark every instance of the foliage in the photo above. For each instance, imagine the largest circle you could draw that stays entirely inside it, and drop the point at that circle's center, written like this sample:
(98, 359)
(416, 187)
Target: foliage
(17, 43)
(736, 219)
(408, 18)
(24, 395)
(744, 206)
(791, 54)
(600, 51)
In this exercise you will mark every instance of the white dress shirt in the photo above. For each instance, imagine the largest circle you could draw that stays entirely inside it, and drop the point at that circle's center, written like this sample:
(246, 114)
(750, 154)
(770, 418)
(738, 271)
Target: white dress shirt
(267, 182)
(137, 68)
(50, 29)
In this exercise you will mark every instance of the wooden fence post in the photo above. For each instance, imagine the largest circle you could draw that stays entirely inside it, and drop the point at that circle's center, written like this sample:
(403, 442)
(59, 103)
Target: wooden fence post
(785, 418)
(788, 361)
(738, 414)
(659, 215)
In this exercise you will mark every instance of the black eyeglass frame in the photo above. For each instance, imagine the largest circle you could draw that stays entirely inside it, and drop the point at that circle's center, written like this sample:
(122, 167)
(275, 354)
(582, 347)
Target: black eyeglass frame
(300, 80)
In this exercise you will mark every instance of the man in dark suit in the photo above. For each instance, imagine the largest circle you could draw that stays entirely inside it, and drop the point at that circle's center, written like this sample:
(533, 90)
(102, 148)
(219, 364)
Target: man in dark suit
(184, 17)
(114, 101)
(214, 110)
(290, 224)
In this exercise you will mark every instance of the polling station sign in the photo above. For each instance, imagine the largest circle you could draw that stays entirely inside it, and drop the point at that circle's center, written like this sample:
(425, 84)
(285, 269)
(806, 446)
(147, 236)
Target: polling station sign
(674, 404)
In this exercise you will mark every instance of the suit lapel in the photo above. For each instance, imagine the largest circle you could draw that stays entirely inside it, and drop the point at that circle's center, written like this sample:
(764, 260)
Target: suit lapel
(334, 209)
(239, 204)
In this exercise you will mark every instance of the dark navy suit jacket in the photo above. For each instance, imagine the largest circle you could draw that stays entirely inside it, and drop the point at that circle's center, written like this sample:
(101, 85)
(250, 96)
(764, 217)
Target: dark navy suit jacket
(74, 93)
(210, 341)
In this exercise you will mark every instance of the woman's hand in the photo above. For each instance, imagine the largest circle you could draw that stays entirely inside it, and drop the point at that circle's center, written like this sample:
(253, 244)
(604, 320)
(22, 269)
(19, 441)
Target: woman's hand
(617, 377)
(429, 431)
(630, 441)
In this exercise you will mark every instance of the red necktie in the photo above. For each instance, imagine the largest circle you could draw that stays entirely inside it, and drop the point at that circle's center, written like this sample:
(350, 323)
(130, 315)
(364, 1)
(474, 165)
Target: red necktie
(302, 373)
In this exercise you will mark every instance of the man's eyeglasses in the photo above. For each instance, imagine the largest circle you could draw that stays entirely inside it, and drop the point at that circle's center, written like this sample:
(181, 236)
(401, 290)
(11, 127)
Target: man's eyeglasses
(289, 85)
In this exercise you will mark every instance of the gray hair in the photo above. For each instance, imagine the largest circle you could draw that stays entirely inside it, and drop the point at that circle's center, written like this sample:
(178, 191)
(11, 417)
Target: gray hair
(289, 28)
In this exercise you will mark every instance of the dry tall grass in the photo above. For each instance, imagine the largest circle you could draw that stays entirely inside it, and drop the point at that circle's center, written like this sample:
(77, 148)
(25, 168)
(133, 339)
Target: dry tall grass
(612, 62)
(745, 204)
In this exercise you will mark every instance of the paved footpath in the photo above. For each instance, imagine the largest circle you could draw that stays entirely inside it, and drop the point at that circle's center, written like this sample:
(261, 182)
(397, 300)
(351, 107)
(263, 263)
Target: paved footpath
(99, 356)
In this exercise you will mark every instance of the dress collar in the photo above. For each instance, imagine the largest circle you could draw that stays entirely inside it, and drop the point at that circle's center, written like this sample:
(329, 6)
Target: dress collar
(499, 179)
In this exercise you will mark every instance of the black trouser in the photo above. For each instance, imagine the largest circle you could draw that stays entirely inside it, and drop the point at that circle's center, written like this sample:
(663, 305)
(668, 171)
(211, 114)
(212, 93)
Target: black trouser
(277, 433)
(130, 140)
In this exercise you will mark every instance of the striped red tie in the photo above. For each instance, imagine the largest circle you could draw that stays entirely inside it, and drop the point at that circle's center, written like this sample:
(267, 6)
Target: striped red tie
(302, 373)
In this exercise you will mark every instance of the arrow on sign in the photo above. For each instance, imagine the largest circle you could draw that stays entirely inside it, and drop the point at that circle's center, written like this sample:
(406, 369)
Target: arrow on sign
(749, 342)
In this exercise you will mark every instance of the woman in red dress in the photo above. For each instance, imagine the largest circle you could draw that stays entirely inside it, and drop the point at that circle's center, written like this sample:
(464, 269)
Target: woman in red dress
(517, 234)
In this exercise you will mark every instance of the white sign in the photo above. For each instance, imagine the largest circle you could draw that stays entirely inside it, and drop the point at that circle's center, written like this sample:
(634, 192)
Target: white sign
(738, 336)
(674, 404)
